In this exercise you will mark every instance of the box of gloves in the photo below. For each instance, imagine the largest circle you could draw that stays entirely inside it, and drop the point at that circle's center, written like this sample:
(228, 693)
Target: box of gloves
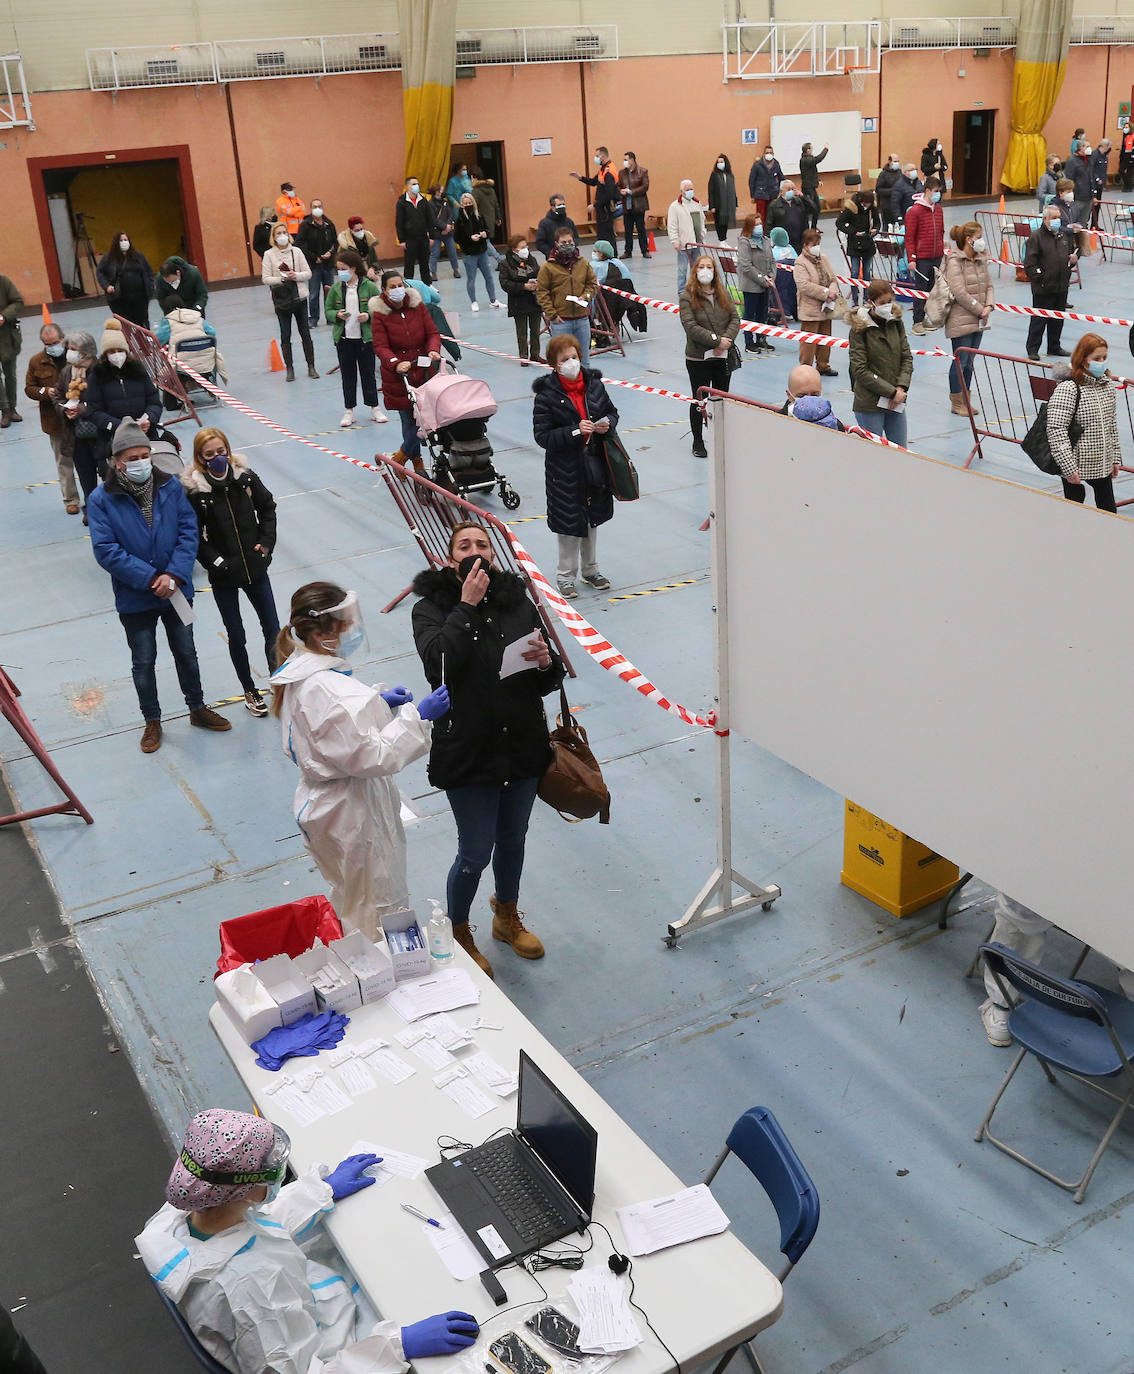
(369, 962)
(288, 986)
(409, 951)
(336, 987)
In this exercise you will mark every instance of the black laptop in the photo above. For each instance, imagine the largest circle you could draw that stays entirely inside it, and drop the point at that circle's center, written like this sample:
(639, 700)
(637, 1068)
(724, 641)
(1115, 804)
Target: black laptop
(530, 1187)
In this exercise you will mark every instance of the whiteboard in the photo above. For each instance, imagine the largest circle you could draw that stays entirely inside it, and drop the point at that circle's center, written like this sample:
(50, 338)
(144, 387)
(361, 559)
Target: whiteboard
(949, 650)
(841, 130)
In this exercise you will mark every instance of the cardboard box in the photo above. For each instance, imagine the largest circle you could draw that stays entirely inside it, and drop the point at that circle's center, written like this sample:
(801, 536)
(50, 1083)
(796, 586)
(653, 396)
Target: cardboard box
(247, 1003)
(369, 962)
(899, 874)
(345, 995)
(409, 963)
(290, 990)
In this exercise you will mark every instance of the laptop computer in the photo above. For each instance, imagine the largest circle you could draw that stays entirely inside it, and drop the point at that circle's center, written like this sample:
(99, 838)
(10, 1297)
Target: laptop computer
(529, 1187)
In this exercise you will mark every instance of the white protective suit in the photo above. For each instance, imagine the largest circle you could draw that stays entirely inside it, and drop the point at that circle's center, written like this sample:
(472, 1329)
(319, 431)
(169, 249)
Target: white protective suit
(348, 745)
(257, 1303)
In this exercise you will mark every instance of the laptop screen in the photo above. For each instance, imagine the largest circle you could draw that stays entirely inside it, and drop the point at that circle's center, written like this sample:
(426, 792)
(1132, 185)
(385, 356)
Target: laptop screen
(557, 1133)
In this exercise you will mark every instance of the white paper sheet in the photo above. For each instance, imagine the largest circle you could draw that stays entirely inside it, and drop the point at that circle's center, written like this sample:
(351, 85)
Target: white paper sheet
(185, 612)
(395, 1163)
(383, 1060)
(435, 992)
(454, 1247)
(493, 1075)
(323, 1090)
(431, 1054)
(296, 1102)
(356, 1077)
(606, 1323)
(446, 1032)
(513, 660)
(454, 1082)
(673, 1220)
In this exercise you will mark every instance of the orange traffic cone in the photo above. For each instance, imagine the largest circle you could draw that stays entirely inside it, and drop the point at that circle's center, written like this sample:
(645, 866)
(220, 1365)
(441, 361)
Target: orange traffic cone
(275, 361)
(650, 242)
(1094, 242)
(1000, 211)
(1005, 256)
(46, 315)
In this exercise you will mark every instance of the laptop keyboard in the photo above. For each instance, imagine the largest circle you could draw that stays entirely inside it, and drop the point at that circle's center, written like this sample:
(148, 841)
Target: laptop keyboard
(528, 1204)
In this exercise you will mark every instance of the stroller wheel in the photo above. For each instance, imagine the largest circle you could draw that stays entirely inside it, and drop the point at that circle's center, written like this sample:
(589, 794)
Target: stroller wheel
(510, 497)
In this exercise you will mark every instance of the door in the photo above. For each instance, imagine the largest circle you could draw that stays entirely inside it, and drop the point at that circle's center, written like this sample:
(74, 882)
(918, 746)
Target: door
(489, 158)
(973, 132)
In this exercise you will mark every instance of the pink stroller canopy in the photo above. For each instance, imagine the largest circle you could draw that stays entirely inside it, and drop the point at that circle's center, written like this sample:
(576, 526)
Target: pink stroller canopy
(449, 397)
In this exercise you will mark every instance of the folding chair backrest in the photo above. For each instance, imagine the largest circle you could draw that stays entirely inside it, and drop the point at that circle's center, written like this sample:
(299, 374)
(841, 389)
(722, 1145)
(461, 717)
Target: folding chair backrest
(200, 1354)
(1042, 387)
(758, 1142)
(202, 345)
(1065, 995)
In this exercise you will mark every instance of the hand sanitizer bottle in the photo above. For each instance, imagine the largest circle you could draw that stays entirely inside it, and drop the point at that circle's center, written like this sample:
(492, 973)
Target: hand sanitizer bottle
(439, 933)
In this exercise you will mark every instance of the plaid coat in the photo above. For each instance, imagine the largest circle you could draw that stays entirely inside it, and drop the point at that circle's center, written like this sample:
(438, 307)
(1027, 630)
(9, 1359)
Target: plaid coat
(1098, 450)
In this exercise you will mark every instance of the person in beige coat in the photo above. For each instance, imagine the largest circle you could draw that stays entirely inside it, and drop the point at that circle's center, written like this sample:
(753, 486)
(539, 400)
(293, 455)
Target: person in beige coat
(970, 284)
(285, 273)
(817, 292)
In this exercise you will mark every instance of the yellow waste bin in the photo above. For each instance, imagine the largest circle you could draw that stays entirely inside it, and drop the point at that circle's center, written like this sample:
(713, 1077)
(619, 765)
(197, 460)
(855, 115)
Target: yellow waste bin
(898, 874)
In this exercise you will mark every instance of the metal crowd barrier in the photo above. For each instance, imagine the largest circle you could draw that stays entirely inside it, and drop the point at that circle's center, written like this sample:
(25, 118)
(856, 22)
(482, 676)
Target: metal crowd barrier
(156, 361)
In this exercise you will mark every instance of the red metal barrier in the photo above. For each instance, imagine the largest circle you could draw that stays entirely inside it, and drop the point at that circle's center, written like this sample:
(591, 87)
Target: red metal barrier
(889, 253)
(145, 347)
(17, 717)
(1115, 217)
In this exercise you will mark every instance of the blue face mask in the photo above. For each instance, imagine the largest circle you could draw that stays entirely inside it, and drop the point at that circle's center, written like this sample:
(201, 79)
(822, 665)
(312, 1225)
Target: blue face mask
(1097, 369)
(344, 274)
(217, 464)
(350, 641)
(600, 266)
(758, 232)
(935, 197)
(789, 195)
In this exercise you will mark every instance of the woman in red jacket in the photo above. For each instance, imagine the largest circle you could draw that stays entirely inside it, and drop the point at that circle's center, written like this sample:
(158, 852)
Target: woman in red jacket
(404, 334)
(925, 242)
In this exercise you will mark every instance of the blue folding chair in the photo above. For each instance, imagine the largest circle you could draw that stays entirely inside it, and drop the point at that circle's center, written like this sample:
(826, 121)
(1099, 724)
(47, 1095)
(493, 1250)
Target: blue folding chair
(1068, 1024)
(200, 1354)
(758, 1141)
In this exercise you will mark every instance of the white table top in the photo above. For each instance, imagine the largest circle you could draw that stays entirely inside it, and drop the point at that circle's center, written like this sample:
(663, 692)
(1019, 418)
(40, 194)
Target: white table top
(702, 1297)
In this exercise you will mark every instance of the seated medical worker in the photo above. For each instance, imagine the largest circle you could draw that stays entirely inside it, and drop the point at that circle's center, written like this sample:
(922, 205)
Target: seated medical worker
(235, 1251)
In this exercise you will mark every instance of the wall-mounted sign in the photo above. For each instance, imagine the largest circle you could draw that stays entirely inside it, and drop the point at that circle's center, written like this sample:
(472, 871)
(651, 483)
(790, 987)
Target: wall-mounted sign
(869, 124)
(749, 136)
(471, 138)
(541, 147)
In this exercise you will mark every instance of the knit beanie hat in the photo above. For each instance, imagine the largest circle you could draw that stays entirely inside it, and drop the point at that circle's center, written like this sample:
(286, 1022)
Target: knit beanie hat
(112, 337)
(129, 434)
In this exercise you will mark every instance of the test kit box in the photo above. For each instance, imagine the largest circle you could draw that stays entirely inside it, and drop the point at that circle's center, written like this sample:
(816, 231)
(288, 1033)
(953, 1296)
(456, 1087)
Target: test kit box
(369, 962)
(405, 938)
(289, 988)
(336, 987)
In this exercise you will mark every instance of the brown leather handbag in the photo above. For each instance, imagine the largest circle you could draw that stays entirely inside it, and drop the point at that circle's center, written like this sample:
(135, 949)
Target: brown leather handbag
(572, 782)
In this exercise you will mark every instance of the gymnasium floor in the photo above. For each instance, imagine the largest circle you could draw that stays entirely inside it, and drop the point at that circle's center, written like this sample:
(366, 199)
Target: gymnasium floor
(858, 1030)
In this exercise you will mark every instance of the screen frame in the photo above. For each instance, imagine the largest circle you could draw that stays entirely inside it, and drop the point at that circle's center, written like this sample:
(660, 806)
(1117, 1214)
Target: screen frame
(529, 1069)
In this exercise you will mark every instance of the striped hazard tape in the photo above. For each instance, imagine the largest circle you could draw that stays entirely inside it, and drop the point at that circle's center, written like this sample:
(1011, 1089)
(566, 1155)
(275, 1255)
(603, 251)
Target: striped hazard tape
(900, 289)
(665, 587)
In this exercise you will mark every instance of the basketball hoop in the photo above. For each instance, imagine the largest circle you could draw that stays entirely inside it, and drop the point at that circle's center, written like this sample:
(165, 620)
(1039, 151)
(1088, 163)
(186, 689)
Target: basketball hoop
(857, 79)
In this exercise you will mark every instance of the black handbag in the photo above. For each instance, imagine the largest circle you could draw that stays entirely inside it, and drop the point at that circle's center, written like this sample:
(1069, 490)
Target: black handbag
(732, 357)
(1036, 444)
(286, 293)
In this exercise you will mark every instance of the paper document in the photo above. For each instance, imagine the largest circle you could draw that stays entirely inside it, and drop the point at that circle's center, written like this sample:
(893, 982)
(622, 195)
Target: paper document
(888, 403)
(295, 1102)
(380, 1057)
(606, 1323)
(182, 607)
(578, 300)
(493, 1075)
(395, 1163)
(513, 660)
(323, 1090)
(446, 1032)
(454, 1082)
(665, 1221)
(454, 1247)
(431, 1054)
(436, 992)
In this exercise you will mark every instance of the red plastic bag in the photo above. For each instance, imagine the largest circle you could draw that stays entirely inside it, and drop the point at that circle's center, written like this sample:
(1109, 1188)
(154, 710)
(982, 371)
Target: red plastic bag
(288, 929)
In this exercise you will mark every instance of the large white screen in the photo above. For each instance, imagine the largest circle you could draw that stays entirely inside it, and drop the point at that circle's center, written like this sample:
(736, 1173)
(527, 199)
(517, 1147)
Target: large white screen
(951, 651)
(841, 130)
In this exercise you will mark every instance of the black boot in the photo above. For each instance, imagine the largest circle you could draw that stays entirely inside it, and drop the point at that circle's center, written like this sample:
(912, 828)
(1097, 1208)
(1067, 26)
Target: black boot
(697, 425)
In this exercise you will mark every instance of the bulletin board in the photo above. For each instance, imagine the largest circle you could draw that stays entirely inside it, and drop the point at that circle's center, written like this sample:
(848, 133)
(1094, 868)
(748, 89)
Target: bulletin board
(840, 130)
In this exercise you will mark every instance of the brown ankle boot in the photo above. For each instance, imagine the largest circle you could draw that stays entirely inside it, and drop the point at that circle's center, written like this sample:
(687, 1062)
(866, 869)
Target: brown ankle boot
(418, 466)
(463, 934)
(957, 404)
(508, 925)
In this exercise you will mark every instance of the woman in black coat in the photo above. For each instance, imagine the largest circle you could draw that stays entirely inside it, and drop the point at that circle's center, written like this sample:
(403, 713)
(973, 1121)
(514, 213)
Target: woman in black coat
(119, 387)
(571, 404)
(518, 270)
(933, 162)
(128, 280)
(722, 196)
(472, 237)
(237, 516)
(490, 751)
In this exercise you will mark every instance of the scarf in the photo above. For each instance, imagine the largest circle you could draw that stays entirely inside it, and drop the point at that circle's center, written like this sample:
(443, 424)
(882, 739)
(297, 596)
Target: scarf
(576, 392)
(142, 492)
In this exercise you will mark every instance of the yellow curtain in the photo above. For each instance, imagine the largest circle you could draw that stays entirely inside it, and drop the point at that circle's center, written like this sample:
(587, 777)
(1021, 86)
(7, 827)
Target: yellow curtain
(428, 31)
(1041, 61)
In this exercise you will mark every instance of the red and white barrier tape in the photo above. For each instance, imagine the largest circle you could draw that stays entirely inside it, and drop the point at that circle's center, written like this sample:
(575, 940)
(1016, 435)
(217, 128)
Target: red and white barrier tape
(900, 289)
(581, 629)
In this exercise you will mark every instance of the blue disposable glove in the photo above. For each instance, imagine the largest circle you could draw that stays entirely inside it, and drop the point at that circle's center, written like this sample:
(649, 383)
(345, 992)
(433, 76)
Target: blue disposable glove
(444, 1334)
(311, 1033)
(435, 705)
(350, 1176)
(396, 696)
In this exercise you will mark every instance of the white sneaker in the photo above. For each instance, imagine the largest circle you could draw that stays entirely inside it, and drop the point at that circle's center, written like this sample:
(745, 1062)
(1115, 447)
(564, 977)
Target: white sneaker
(475, 306)
(995, 1024)
(378, 415)
(347, 420)
(498, 305)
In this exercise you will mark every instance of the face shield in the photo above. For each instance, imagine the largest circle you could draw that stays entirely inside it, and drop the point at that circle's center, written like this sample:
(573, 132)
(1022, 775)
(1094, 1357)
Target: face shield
(341, 628)
(226, 1156)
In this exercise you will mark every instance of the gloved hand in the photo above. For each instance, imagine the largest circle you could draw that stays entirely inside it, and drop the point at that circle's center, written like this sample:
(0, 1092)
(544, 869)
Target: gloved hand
(348, 1177)
(311, 1033)
(443, 1334)
(396, 696)
(435, 705)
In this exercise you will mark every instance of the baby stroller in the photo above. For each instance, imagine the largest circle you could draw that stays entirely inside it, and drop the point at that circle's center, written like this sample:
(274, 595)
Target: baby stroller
(451, 412)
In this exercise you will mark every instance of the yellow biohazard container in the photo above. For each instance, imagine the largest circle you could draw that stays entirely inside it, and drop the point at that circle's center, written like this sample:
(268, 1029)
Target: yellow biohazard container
(898, 874)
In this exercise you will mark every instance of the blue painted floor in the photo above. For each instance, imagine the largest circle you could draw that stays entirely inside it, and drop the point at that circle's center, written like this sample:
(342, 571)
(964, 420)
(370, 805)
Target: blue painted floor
(858, 1030)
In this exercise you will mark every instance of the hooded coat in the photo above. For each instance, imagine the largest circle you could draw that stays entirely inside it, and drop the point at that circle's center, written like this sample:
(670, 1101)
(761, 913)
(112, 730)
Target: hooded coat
(234, 514)
(402, 334)
(496, 729)
(114, 394)
(191, 289)
(880, 357)
(347, 744)
(579, 497)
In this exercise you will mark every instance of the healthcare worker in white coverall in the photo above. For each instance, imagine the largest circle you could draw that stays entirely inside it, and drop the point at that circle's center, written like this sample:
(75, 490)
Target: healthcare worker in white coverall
(348, 741)
(234, 1252)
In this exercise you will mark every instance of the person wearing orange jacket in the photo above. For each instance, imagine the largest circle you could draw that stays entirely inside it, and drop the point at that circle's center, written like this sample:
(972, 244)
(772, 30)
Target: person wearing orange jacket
(289, 208)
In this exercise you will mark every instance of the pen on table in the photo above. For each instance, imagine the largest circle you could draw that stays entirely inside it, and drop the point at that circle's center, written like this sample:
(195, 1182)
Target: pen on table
(420, 1215)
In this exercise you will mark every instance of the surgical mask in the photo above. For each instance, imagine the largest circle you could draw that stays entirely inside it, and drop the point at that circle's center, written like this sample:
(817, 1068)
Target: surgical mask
(116, 359)
(789, 195)
(397, 294)
(569, 368)
(935, 197)
(882, 307)
(980, 245)
(139, 470)
(359, 233)
(1051, 224)
(317, 211)
(523, 253)
(350, 641)
(720, 166)
(343, 273)
(74, 356)
(769, 157)
(894, 166)
(597, 258)
(758, 232)
(281, 239)
(1097, 369)
(626, 162)
(1067, 197)
(704, 275)
(414, 188)
(688, 195)
(174, 282)
(814, 249)
(217, 464)
(124, 244)
(598, 160)
(54, 350)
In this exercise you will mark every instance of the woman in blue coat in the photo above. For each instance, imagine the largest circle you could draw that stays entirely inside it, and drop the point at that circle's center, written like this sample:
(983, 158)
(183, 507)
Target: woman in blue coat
(571, 405)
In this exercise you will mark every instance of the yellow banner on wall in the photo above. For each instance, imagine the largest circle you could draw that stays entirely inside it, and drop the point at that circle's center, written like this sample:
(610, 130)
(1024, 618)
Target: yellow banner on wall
(1042, 34)
(428, 31)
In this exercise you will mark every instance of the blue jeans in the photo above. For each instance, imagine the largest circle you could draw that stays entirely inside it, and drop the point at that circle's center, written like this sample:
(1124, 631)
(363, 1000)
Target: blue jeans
(962, 341)
(411, 444)
(885, 423)
(259, 593)
(479, 262)
(756, 312)
(450, 246)
(322, 279)
(860, 268)
(682, 269)
(492, 823)
(141, 635)
(580, 330)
